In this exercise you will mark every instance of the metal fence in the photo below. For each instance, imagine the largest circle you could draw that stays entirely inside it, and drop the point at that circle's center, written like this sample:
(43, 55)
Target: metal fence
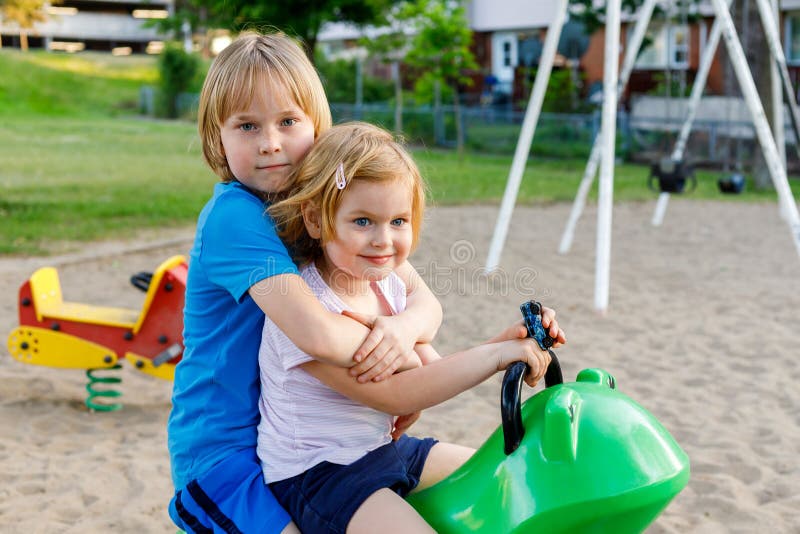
(495, 130)
(716, 143)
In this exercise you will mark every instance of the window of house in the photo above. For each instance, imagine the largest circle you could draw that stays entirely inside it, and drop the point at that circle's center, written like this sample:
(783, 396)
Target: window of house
(792, 37)
(668, 48)
(507, 54)
(529, 48)
(679, 46)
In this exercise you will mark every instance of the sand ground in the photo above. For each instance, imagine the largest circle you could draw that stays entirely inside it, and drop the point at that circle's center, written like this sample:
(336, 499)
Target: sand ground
(701, 330)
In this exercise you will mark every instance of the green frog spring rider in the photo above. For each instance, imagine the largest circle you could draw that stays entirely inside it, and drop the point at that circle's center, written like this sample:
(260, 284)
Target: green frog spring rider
(575, 457)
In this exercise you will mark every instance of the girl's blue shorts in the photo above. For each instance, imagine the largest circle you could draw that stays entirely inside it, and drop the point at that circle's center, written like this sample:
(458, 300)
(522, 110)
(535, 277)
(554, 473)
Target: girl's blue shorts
(231, 498)
(325, 498)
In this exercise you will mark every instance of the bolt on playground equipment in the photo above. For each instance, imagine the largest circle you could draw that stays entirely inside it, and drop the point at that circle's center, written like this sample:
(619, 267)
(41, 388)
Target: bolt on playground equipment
(73, 335)
(575, 457)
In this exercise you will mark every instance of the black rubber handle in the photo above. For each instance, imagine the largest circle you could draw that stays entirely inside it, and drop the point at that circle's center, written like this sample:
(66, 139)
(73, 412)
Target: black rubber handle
(511, 399)
(510, 406)
(141, 280)
(511, 390)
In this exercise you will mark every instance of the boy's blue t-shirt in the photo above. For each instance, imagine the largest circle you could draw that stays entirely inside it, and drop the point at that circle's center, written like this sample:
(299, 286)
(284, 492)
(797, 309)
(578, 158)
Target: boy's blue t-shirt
(215, 394)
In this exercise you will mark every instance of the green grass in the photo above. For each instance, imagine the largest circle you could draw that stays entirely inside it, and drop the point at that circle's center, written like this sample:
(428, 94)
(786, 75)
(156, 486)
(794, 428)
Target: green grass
(80, 179)
(482, 179)
(90, 84)
(77, 164)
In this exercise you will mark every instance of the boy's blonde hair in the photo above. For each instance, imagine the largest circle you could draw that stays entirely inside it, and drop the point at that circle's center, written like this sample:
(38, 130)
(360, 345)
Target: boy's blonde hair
(365, 152)
(250, 63)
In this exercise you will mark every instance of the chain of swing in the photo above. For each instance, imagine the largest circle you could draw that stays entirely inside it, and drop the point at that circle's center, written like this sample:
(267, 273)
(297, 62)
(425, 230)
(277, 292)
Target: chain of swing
(668, 175)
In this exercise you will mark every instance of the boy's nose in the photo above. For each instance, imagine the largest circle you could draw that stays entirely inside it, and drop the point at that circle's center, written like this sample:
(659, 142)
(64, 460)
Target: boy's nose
(269, 143)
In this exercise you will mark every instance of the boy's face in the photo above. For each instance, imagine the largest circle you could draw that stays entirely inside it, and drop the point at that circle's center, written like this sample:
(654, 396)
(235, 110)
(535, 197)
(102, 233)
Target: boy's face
(265, 141)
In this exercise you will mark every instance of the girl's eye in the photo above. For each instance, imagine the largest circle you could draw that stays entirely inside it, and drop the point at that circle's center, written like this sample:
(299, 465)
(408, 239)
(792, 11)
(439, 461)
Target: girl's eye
(398, 222)
(361, 221)
(288, 122)
(247, 127)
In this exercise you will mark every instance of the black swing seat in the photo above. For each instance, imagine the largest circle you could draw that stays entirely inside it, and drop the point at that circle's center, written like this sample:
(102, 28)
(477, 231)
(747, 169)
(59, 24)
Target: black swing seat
(671, 176)
(731, 184)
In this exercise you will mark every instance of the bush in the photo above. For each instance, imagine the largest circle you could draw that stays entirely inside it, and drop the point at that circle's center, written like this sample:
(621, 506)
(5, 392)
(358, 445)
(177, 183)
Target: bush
(562, 95)
(425, 91)
(177, 70)
(339, 79)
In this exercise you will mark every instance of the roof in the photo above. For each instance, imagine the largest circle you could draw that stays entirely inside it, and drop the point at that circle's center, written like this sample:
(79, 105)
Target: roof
(509, 15)
(504, 15)
(495, 15)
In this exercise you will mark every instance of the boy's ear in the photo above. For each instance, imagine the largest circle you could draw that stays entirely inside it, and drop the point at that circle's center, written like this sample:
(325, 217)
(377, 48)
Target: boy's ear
(312, 220)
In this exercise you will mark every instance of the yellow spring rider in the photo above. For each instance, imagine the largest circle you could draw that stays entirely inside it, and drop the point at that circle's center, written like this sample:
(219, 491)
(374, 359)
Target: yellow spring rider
(73, 335)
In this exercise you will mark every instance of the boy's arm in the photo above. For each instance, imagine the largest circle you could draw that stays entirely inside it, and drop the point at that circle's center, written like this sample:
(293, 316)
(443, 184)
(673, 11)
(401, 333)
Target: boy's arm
(425, 309)
(426, 386)
(419, 322)
(327, 336)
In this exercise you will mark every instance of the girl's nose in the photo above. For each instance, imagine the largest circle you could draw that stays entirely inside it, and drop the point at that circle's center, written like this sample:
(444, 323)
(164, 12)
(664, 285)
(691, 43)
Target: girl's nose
(380, 237)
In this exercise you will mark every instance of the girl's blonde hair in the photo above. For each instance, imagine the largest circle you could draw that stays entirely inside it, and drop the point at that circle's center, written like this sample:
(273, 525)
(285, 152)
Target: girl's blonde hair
(365, 152)
(252, 62)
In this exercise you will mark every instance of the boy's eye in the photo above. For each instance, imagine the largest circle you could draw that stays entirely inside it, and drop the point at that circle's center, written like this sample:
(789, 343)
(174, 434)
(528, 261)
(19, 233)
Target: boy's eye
(361, 221)
(398, 222)
(288, 122)
(247, 127)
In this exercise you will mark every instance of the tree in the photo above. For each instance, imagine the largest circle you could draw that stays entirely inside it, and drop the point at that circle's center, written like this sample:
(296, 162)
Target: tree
(391, 47)
(177, 69)
(592, 14)
(23, 13)
(301, 19)
(441, 48)
(754, 42)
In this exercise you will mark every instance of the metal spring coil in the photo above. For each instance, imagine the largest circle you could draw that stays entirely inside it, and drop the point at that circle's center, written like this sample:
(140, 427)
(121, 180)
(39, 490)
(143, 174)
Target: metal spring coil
(97, 400)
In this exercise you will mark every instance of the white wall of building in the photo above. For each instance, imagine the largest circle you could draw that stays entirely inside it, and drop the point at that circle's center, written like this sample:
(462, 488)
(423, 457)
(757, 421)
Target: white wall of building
(498, 15)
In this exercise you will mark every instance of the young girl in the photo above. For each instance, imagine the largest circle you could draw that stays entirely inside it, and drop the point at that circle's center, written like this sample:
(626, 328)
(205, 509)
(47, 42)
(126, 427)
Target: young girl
(261, 108)
(352, 218)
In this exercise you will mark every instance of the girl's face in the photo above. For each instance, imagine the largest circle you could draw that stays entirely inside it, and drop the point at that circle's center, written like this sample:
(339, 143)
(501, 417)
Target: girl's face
(265, 141)
(373, 231)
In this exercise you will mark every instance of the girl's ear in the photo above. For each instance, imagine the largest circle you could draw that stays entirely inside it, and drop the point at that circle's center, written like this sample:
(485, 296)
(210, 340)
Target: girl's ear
(312, 220)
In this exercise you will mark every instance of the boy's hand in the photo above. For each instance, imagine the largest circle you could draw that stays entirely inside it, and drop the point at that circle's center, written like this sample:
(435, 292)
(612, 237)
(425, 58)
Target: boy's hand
(518, 330)
(403, 423)
(387, 348)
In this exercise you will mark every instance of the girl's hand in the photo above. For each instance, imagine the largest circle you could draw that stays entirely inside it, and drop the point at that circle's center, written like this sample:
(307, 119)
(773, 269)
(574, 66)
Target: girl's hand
(387, 348)
(523, 350)
(403, 423)
(515, 331)
(518, 330)
(549, 322)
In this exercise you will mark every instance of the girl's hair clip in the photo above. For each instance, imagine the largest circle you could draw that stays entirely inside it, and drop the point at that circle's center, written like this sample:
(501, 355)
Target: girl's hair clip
(341, 180)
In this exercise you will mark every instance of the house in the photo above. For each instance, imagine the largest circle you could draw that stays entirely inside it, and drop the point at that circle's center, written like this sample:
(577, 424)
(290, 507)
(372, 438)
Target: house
(119, 26)
(508, 34)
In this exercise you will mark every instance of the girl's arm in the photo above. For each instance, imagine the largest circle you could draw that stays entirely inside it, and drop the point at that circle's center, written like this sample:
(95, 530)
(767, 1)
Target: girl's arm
(427, 354)
(426, 386)
(329, 337)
